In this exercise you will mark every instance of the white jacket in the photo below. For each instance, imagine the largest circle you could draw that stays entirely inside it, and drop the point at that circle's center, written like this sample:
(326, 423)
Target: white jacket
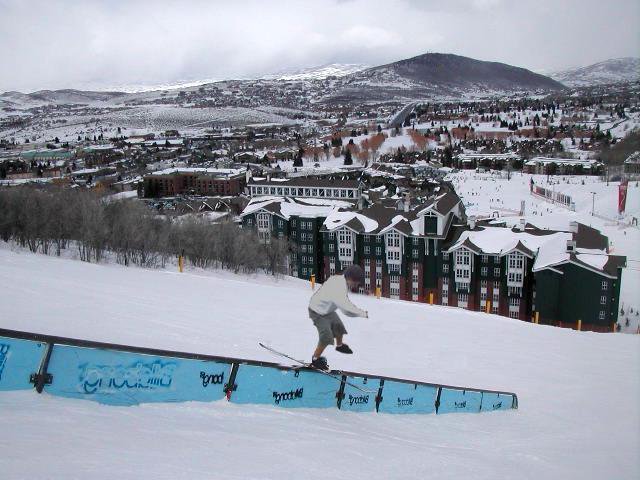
(332, 295)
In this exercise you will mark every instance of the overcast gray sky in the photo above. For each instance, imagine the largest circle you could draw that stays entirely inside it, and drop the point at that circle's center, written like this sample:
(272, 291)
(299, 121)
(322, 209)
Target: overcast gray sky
(101, 43)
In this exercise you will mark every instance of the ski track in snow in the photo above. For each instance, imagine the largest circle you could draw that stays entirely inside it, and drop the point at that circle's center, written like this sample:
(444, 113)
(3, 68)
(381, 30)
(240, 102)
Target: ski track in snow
(578, 391)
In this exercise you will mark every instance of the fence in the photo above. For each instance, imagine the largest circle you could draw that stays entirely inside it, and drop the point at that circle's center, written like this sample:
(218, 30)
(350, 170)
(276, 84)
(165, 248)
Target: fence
(553, 196)
(127, 375)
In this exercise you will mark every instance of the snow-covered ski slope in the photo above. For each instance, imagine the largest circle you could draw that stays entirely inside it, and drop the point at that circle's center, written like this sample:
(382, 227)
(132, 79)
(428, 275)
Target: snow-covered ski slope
(578, 392)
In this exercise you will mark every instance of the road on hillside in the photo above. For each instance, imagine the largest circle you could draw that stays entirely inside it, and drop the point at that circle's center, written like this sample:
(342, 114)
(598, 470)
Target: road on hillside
(399, 118)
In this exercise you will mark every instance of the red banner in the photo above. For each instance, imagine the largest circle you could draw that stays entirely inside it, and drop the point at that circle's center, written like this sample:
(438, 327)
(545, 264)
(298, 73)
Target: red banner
(622, 196)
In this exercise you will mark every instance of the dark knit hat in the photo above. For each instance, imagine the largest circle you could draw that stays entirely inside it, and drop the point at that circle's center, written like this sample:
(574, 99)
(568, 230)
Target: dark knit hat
(354, 272)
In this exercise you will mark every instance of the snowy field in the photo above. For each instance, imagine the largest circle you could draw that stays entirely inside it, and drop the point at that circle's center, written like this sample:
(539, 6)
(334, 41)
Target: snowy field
(578, 391)
(484, 194)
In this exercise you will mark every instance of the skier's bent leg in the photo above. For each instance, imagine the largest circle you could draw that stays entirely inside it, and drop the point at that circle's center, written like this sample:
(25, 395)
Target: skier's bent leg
(319, 349)
(338, 340)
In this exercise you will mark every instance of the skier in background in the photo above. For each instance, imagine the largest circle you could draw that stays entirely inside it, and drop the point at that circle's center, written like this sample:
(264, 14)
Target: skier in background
(331, 296)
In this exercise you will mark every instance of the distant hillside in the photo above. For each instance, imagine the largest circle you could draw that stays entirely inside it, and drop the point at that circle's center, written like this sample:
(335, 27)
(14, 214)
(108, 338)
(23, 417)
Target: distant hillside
(319, 73)
(439, 74)
(614, 70)
(58, 97)
(454, 70)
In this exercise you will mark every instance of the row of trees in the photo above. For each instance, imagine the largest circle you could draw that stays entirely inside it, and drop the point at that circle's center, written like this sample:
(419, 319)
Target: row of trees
(51, 221)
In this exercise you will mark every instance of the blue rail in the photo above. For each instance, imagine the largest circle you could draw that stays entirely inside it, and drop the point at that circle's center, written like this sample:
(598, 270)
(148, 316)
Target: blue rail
(127, 375)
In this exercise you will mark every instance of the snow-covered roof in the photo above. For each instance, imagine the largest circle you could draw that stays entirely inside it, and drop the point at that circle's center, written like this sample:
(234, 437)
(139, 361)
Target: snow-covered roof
(213, 171)
(549, 248)
(339, 218)
(562, 161)
(287, 207)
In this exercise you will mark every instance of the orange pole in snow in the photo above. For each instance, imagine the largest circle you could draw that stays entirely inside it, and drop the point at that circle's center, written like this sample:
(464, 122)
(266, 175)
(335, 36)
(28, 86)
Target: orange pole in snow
(377, 292)
(313, 281)
(579, 324)
(488, 306)
(430, 298)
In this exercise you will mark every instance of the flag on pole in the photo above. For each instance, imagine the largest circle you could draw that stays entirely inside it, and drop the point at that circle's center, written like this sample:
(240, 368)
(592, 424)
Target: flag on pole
(622, 196)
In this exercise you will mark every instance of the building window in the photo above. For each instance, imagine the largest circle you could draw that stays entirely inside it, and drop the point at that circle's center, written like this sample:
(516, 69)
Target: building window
(367, 264)
(496, 272)
(602, 315)
(332, 235)
(463, 298)
(445, 300)
(445, 281)
(366, 249)
(603, 300)
(514, 302)
(485, 258)
(462, 257)
(445, 268)
(378, 250)
(414, 278)
(496, 259)
(605, 284)
(415, 253)
(415, 241)
(494, 308)
(514, 314)
(513, 277)
(310, 248)
(516, 260)
(331, 247)
(250, 222)
(445, 256)
(483, 271)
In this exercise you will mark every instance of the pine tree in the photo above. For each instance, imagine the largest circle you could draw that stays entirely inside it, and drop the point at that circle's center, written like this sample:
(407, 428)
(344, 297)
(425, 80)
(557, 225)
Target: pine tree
(297, 162)
(347, 157)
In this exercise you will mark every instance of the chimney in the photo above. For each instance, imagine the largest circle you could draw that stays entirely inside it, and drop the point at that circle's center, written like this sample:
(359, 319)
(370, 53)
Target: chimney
(268, 177)
(471, 221)
(573, 227)
(521, 224)
(571, 246)
(407, 202)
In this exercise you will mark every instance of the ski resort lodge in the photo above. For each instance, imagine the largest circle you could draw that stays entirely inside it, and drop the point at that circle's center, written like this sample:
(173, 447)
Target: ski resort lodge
(196, 181)
(427, 250)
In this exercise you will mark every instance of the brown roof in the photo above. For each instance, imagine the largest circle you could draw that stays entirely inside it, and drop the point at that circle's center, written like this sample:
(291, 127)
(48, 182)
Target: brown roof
(588, 237)
(445, 204)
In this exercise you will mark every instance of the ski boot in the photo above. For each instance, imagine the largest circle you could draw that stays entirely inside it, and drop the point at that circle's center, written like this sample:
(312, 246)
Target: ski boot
(320, 363)
(344, 348)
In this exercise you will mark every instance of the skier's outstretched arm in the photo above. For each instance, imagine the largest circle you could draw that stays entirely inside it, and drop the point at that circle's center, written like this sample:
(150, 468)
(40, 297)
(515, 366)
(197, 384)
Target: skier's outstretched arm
(348, 308)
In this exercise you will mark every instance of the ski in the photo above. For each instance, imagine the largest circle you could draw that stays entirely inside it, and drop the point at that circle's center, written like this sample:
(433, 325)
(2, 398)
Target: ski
(308, 365)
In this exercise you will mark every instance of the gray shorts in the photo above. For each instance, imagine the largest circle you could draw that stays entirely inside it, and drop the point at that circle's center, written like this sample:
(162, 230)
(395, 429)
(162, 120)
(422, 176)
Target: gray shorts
(329, 326)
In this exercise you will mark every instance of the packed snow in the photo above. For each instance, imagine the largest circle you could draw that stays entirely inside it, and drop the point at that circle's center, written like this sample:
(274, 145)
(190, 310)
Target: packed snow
(578, 391)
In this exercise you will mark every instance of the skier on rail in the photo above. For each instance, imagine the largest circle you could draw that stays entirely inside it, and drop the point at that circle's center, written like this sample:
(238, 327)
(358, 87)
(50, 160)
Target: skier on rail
(332, 296)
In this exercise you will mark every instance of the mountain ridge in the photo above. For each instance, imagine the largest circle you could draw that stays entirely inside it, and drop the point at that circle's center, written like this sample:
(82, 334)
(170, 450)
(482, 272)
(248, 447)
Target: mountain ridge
(612, 70)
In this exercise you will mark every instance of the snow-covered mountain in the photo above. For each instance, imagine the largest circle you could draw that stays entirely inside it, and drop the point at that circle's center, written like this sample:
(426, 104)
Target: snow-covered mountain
(320, 72)
(438, 75)
(614, 70)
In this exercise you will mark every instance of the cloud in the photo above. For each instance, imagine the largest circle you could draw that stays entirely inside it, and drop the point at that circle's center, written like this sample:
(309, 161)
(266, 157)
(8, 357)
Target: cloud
(100, 43)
